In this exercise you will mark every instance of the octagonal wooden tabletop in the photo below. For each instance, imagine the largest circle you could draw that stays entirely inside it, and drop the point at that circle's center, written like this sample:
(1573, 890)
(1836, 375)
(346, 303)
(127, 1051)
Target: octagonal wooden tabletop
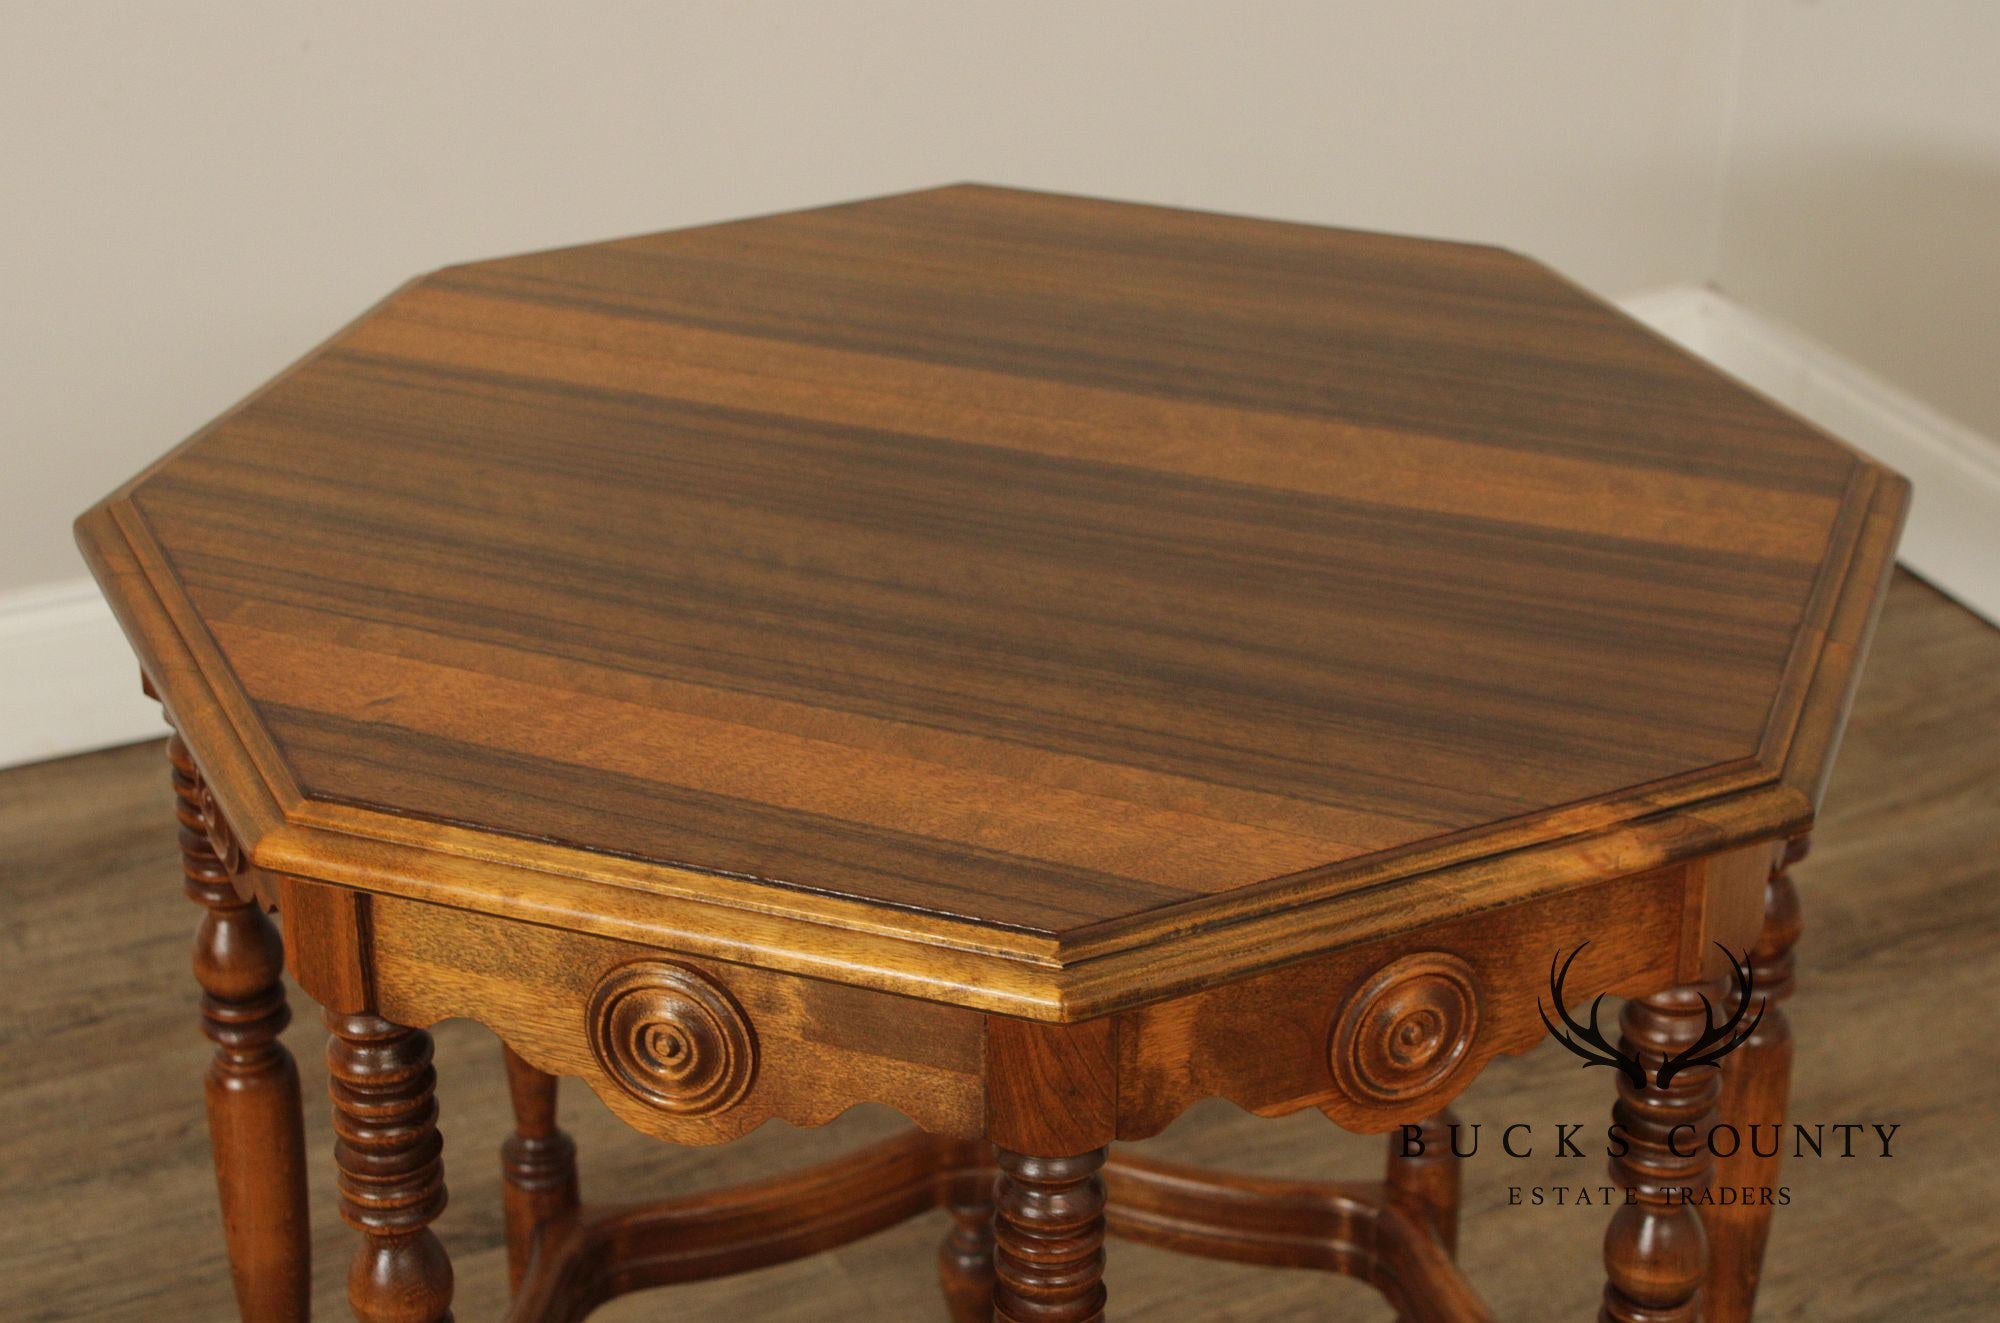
(1043, 580)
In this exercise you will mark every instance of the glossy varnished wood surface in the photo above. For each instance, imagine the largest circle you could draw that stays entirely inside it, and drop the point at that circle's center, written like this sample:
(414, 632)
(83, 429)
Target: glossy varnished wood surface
(1045, 569)
(1900, 902)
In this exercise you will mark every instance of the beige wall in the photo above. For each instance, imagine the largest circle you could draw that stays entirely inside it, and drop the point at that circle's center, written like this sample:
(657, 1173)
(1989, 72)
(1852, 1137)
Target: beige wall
(193, 194)
(1862, 194)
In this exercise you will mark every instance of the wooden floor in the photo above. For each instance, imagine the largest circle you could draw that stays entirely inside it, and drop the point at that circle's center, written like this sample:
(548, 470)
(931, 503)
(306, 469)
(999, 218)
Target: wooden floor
(107, 1211)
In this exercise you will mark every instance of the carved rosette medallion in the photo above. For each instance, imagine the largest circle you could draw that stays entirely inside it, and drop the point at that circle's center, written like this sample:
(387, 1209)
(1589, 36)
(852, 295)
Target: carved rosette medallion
(672, 1038)
(1407, 1029)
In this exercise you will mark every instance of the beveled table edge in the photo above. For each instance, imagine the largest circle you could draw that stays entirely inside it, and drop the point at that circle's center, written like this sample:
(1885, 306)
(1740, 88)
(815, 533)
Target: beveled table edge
(1077, 976)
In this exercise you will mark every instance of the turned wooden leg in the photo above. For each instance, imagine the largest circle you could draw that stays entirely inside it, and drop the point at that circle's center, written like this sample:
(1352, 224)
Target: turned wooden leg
(1655, 1253)
(1756, 1087)
(389, 1151)
(965, 1260)
(1048, 1254)
(1425, 1184)
(255, 1126)
(537, 1164)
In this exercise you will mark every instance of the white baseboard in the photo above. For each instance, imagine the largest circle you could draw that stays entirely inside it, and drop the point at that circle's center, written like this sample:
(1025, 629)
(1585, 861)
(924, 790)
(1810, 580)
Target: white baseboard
(68, 683)
(1953, 536)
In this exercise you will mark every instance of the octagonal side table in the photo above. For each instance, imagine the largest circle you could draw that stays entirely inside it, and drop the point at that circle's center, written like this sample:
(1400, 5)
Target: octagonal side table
(1032, 662)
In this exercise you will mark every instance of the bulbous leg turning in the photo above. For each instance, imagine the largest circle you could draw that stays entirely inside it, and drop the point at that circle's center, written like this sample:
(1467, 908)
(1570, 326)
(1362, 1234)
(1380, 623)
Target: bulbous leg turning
(965, 1259)
(1756, 1092)
(255, 1124)
(389, 1153)
(1656, 1252)
(1049, 1239)
(537, 1164)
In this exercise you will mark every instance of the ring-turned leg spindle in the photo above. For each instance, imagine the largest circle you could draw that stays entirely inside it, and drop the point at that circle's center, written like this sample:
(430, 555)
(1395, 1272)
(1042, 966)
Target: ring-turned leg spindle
(1756, 1088)
(965, 1260)
(1655, 1252)
(254, 1119)
(389, 1153)
(537, 1164)
(1048, 1254)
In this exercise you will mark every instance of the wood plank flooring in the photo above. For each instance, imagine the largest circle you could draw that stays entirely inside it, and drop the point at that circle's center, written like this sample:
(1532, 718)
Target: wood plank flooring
(107, 1210)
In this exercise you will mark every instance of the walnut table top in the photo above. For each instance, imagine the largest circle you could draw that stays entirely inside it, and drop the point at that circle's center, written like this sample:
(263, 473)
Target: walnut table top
(1037, 604)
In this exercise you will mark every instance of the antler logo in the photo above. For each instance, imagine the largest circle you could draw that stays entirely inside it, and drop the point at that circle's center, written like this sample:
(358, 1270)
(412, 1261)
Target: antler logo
(1716, 1041)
